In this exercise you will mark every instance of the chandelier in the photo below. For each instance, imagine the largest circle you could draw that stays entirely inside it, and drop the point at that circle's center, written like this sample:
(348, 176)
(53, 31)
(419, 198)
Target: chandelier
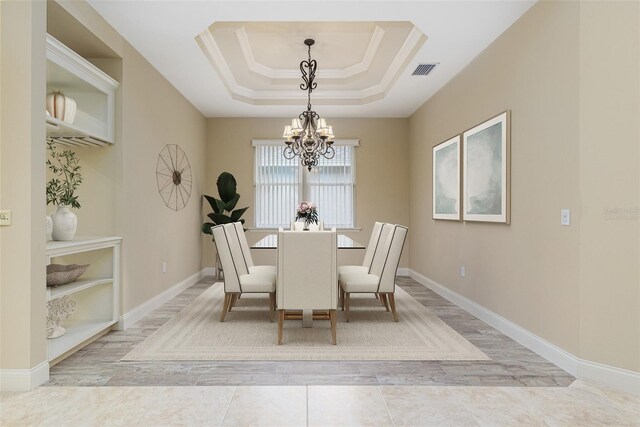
(308, 136)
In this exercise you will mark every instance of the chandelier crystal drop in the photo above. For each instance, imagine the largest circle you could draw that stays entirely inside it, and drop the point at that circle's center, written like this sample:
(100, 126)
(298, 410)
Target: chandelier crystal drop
(308, 136)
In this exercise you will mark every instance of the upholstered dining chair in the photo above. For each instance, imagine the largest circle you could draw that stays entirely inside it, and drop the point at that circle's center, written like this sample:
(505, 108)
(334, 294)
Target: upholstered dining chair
(381, 279)
(310, 283)
(246, 253)
(368, 255)
(237, 278)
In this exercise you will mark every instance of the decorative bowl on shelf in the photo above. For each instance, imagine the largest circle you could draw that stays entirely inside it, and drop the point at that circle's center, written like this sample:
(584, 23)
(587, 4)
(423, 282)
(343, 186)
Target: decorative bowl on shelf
(60, 274)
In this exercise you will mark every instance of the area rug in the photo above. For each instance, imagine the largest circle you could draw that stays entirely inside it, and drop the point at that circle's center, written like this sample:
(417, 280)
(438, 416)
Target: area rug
(196, 333)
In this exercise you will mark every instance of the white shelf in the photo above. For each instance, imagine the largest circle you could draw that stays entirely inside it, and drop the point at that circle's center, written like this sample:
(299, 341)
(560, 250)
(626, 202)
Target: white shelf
(78, 285)
(97, 298)
(64, 133)
(94, 93)
(80, 244)
(75, 335)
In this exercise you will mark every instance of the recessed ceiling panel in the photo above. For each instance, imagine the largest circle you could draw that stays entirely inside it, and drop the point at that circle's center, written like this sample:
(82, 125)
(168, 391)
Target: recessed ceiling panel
(358, 62)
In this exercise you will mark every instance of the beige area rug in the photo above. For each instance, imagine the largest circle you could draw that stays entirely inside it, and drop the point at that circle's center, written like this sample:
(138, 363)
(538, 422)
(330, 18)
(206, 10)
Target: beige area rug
(196, 333)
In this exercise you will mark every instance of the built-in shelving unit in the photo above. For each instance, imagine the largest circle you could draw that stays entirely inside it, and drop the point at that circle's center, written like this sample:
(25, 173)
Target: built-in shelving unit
(91, 88)
(97, 296)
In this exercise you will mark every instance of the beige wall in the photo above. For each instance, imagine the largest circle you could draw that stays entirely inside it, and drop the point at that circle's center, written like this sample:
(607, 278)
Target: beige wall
(609, 180)
(155, 114)
(22, 151)
(381, 174)
(119, 194)
(574, 145)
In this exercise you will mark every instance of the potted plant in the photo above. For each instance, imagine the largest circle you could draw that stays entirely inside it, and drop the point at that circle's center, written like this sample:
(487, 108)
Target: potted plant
(224, 208)
(65, 169)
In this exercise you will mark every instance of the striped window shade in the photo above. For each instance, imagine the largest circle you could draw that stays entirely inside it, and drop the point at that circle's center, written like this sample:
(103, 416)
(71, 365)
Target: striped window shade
(280, 184)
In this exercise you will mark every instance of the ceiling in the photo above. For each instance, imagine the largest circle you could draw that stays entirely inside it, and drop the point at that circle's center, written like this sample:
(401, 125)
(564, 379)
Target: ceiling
(241, 59)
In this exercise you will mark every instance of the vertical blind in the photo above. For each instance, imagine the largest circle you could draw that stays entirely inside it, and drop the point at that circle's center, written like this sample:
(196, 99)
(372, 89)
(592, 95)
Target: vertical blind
(280, 184)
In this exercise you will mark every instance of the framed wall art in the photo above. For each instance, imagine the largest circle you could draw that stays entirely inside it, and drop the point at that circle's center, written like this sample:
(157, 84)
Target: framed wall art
(446, 179)
(486, 171)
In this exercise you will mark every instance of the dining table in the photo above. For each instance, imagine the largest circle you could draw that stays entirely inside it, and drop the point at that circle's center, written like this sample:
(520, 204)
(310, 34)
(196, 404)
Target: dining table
(270, 241)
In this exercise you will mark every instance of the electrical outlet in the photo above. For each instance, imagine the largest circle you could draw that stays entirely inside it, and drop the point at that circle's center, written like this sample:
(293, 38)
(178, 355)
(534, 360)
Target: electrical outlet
(565, 217)
(5, 217)
(164, 267)
(463, 271)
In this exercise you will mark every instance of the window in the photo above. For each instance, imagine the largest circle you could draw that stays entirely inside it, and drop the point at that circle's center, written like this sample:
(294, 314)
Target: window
(280, 184)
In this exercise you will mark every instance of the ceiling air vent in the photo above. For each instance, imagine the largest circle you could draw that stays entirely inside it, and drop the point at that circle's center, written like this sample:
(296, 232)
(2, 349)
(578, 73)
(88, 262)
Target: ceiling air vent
(424, 69)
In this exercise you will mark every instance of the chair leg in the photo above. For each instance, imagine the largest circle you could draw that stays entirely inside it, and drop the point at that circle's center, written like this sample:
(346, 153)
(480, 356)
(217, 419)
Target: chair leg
(376, 294)
(392, 301)
(342, 297)
(332, 317)
(347, 298)
(232, 302)
(381, 297)
(385, 301)
(272, 305)
(280, 322)
(225, 306)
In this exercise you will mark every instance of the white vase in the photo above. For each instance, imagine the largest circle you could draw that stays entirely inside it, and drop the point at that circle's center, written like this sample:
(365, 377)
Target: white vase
(61, 107)
(49, 227)
(65, 223)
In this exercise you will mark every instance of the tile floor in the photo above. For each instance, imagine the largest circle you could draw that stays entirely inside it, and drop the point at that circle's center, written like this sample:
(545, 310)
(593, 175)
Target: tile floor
(98, 364)
(581, 404)
(517, 387)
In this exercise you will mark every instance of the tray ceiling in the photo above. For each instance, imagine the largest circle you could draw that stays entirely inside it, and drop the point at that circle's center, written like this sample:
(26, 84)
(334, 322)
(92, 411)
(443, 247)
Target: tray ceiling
(239, 58)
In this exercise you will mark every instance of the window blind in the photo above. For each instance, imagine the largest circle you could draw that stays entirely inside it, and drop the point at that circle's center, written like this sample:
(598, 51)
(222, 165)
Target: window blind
(330, 186)
(277, 187)
(280, 184)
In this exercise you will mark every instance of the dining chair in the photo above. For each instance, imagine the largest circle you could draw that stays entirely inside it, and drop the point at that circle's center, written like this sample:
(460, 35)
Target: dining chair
(381, 279)
(237, 278)
(368, 255)
(246, 253)
(307, 276)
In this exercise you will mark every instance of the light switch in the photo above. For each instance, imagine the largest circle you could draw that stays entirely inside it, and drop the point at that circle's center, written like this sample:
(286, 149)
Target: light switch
(565, 217)
(5, 217)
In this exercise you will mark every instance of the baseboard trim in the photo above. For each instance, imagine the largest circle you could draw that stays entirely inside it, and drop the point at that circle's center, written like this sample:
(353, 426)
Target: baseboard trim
(24, 379)
(621, 379)
(208, 271)
(130, 318)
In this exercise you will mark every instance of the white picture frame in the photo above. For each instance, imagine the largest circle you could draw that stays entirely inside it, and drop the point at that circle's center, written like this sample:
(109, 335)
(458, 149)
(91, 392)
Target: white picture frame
(486, 171)
(446, 180)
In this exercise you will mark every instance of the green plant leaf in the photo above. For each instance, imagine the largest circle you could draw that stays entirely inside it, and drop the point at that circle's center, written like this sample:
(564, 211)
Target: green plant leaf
(206, 227)
(212, 202)
(221, 206)
(219, 218)
(229, 206)
(226, 187)
(235, 215)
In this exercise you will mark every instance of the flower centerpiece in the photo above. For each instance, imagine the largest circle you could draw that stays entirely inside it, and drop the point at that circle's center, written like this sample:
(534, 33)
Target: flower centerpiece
(308, 212)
